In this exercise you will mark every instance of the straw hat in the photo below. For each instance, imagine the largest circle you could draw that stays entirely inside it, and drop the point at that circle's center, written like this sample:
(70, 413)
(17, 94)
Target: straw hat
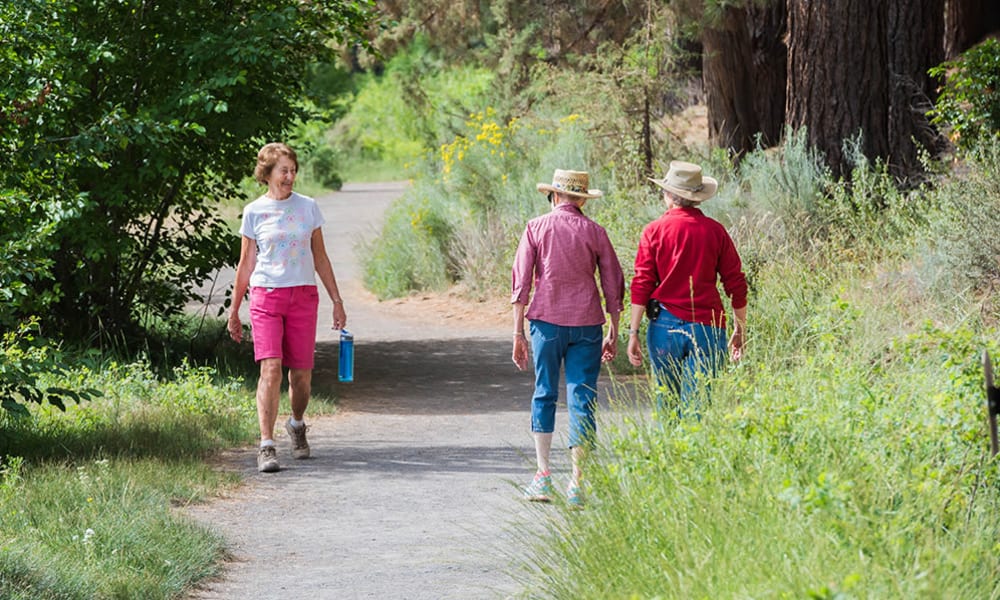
(685, 180)
(574, 183)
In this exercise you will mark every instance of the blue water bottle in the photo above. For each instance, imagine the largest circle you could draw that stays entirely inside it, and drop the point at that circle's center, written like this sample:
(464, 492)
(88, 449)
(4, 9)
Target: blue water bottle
(346, 367)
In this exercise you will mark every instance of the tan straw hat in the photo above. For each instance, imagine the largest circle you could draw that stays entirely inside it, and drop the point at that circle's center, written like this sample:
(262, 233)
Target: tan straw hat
(574, 183)
(685, 180)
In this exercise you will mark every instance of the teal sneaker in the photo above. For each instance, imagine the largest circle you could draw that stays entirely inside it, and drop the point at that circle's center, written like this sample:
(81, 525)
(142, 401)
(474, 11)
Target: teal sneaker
(574, 497)
(540, 489)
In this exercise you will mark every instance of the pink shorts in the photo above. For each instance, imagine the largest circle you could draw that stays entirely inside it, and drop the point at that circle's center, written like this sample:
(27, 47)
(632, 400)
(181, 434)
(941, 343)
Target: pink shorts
(283, 321)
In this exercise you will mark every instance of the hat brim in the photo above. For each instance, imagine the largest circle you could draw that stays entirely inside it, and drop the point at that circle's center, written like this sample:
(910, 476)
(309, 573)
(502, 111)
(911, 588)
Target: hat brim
(709, 186)
(545, 188)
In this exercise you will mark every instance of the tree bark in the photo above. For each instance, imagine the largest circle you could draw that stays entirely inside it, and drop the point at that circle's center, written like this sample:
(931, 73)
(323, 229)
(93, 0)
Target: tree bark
(728, 76)
(768, 26)
(916, 30)
(967, 22)
(744, 76)
(838, 82)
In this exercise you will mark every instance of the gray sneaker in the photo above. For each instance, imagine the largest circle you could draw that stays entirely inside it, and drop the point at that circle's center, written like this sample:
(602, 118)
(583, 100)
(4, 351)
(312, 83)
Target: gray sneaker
(300, 447)
(267, 460)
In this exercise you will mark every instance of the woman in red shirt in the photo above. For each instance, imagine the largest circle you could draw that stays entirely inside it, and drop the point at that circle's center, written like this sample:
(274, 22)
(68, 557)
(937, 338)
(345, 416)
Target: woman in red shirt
(681, 257)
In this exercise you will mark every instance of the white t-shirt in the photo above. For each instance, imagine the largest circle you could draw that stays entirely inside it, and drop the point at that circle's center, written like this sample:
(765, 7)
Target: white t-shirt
(283, 231)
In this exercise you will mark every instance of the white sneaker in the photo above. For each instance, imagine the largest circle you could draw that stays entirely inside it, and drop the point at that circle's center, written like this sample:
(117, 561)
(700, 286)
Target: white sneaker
(267, 459)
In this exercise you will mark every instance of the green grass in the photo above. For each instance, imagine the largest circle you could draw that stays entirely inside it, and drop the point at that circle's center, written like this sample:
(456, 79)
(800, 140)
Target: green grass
(89, 496)
(105, 528)
(849, 461)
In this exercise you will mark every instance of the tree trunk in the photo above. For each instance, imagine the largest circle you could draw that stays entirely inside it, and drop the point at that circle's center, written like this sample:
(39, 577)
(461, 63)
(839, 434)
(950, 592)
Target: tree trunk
(744, 75)
(770, 62)
(729, 90)
(916, 30)
(838, 82)
(967, 22)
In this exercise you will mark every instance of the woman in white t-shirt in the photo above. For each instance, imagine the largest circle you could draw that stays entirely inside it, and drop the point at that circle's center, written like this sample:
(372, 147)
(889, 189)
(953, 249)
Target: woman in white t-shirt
(281, 252)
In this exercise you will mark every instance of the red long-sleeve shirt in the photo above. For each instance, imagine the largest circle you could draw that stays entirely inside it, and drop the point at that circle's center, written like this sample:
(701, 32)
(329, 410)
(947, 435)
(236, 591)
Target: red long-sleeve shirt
(681, 257)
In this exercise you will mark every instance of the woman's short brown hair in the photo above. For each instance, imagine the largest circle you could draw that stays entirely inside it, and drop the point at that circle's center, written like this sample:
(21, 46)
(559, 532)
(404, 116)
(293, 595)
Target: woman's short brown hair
(268, 157)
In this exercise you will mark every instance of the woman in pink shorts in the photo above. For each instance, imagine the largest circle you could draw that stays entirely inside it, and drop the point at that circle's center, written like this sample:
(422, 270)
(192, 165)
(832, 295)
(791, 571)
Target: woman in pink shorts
(281, 252)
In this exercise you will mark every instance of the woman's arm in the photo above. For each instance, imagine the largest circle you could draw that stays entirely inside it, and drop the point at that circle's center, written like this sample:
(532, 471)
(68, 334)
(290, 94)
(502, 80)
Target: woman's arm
(634, 345)
(248, 260)
(737, 340)
(325, 271)
(520, 352)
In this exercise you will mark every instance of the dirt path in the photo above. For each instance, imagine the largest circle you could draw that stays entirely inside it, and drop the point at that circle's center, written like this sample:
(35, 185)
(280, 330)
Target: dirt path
(411, 491)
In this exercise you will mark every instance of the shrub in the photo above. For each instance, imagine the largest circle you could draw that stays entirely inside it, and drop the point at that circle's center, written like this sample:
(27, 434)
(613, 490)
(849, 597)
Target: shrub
(964, 219)
(324, 163)
(416, 104)
(969, 102)
(24, 362)
(467, 213)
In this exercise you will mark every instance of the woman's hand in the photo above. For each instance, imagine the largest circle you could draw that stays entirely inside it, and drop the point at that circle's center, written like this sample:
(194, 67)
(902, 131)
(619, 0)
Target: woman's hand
(609, 349)
(339, 316)
(520, 352)
(634, 350)
(235, 327)
(736, 345)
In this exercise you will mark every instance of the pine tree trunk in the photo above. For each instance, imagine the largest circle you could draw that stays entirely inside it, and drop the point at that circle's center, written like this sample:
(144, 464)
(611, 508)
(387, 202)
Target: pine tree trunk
(916, 30)
(769, 55)
(966, 22)
(744, 75)
(729, 90)
(838, 83)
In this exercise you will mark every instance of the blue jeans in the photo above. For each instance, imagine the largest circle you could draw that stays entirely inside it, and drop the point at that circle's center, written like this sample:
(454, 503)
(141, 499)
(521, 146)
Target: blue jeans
(579, 348)
(685, 356)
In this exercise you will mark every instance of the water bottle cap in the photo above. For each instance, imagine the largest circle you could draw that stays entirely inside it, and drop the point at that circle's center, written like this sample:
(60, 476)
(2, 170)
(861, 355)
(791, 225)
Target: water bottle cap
(346, 335)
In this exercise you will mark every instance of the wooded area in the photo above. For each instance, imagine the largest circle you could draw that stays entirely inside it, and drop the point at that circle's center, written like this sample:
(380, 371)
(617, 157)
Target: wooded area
(123, 121)
(848, 68)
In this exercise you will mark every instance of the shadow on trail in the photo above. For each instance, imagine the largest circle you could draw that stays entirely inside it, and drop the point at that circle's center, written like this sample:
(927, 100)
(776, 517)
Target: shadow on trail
(408, 461)
(434, 377)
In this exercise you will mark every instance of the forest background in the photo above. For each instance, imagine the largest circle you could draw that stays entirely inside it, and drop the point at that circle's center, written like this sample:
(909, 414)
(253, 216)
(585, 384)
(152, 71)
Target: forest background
(857, 152)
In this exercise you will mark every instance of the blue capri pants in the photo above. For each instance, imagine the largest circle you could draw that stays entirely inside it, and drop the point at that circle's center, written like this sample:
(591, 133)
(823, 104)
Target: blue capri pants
(579, 349)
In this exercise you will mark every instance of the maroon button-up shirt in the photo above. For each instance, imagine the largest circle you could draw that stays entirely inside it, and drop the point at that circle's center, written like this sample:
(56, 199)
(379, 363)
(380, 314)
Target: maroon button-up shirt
(558, 255)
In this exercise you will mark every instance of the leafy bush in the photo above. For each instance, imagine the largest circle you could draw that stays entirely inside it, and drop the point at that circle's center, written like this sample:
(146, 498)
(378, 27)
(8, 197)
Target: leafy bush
(969, 102)
(24, 362)
(418, 103)
(324, 164)
(463, 218)
(27, 246)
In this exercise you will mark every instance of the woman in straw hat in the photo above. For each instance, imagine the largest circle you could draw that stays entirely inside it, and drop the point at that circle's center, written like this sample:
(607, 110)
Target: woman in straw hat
(557, 254)
(681, 257)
